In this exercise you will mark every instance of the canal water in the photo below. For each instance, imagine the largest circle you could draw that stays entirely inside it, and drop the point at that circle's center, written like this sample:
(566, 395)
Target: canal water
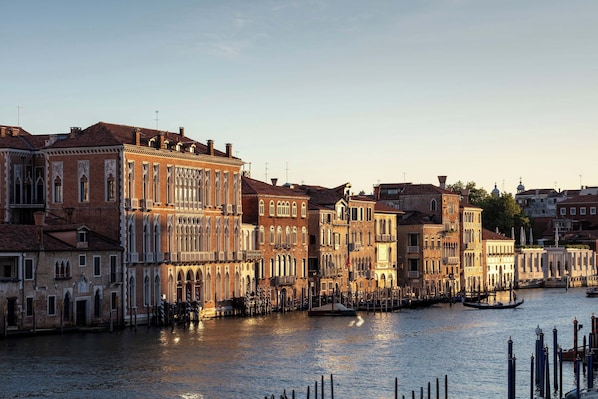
(254, 357)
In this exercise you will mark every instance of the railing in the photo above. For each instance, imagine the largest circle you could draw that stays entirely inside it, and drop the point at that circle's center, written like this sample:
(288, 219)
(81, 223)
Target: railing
(450, 260)
(282, 280)
(413, 249)
(385, 238)
(253, 254)
(413, 274)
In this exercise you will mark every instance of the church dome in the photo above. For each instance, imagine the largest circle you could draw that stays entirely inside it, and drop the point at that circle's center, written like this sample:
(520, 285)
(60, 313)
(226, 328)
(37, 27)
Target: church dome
(520, 187)
(495, 192)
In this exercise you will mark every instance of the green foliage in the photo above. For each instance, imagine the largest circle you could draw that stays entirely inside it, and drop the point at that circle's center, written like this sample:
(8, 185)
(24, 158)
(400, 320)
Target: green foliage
(476, 195)
(502, 212)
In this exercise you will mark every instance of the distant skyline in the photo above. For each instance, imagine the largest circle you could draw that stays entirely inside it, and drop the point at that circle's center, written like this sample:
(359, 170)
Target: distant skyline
(324, 92)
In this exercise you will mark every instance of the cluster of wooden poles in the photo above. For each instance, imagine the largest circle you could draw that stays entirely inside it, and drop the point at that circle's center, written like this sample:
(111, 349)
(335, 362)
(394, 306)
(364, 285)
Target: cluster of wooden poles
(396, 388)
(583, 362)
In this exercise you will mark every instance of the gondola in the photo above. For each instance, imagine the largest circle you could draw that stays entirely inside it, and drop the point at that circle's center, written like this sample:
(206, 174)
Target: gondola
(497, 305)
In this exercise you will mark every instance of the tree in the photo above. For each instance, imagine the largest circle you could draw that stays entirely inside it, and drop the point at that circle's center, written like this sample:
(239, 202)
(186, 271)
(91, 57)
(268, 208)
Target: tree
(476, 195)
(503, 213)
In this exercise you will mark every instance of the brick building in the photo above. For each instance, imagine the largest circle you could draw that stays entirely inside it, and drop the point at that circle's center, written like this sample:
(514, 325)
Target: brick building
(58, 276)
(436, 209)
(174, 205)
(280, 216)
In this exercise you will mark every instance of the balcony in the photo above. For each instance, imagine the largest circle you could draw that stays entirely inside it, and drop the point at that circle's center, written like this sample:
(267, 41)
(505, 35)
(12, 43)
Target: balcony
(147, 204)
(413, 249)
(253, 255)
(282, 281)
(355, 246)
(385, 238)
(413, 274)
(133, 257)
(131, 203)
(450, 260)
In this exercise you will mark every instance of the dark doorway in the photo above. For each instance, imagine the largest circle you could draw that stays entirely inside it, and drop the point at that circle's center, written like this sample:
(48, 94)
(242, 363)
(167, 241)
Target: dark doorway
(11, 312)
(81, 313)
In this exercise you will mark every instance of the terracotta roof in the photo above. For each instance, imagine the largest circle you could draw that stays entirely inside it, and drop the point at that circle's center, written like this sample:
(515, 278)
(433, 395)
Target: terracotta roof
(384, 208)
(251, 186)
(539, 191)
(491, 235)
(417, 217)
(104, 134)
(29, 238)
(322, 195)
(17, 138)
(580, 199)
(412, 189)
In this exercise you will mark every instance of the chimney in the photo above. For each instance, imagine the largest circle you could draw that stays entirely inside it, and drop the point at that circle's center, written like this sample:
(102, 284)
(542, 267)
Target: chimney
(14, 132)
(2, 131)
(229, 150)
(210, 147)
(182, 131)
(442, 181)
(39, 218)
(465, 195)
(274, 180)
(161, 140)
(74, 131)
(137, 136)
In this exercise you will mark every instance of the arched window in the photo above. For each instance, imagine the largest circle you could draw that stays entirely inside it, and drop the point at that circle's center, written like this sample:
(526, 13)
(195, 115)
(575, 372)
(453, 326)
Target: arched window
(157, 291)
(57, 190)
(271, 208)
(261, 208)
(146, 291)
(433, 205)
(132, 299)
(83, 189)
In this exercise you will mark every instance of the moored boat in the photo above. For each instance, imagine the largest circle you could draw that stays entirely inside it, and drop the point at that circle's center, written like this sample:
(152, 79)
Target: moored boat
(497, 305)
(333, 309)
(592, 292)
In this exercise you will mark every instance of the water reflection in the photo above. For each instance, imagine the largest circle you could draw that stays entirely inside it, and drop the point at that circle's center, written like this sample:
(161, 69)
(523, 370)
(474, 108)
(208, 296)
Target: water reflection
(252, 358)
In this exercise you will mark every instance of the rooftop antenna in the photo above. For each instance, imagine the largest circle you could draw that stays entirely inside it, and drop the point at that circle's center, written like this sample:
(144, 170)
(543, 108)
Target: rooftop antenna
(19, 115)
(404, 174)
(266, 172)
(580, 184)
(287, 173)
(157, 119)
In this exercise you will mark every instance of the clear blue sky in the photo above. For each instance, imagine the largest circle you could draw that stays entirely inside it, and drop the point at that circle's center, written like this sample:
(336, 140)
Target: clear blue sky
(324, 92)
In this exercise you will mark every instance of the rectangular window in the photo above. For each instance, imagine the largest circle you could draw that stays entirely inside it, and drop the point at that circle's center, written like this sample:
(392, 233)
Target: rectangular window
(592, 210)
(51, 305)
(582, 210)
(413, 265)
(28, 269)
(113, 301)
(82, 260)
(563, 211)
(29, 306)
(97, 268)
(113, 272)
(573, 211)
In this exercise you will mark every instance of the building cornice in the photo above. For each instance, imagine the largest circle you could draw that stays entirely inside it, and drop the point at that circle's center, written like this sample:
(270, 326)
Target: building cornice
(172, 154)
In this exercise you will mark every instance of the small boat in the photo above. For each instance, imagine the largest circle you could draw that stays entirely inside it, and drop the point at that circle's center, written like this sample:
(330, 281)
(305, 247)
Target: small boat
(592, 292)
(497, 305)
(583, 394)
(335, 309)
